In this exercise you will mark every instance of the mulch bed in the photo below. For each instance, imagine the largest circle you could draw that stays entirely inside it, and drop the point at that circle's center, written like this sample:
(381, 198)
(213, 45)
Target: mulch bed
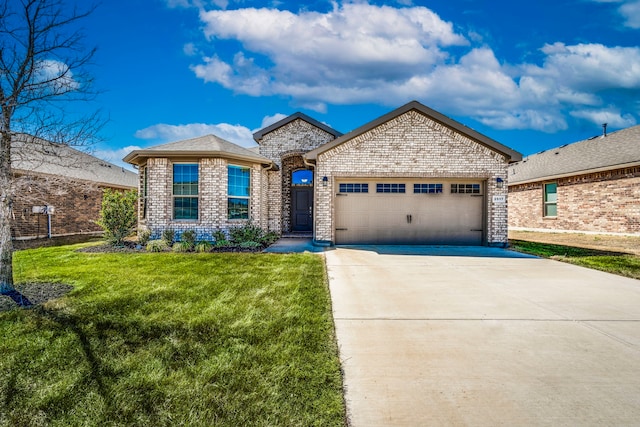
(35, 293)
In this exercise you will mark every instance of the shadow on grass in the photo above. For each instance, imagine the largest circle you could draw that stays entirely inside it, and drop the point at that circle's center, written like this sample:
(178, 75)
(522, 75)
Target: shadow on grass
(18, 298)
(549, 250)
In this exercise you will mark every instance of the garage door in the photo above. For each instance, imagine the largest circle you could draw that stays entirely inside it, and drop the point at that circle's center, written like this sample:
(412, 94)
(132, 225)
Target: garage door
(434, 212)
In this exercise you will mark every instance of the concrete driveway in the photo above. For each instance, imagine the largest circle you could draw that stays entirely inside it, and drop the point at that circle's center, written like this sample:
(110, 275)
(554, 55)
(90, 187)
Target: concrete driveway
(483, 337)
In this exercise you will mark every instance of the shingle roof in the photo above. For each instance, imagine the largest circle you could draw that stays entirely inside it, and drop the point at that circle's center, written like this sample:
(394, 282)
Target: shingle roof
(44, 157)
(207, 145)
(512, 155)
(617, 149)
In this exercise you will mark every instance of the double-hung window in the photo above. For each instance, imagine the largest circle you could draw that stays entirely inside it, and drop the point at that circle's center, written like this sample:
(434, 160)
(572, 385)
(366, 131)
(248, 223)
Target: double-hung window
(551, 199)
(185, 191)
(239, 190)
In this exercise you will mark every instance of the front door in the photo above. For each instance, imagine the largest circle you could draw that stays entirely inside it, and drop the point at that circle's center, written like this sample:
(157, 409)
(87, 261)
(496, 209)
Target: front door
(302, 209)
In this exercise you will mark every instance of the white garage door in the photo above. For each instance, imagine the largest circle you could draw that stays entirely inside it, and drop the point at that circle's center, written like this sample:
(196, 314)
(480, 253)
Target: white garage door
(433, 212)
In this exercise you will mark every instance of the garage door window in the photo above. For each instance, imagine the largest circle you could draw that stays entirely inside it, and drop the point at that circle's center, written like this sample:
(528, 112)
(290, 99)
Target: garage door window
(354, 188)
(427, 188)
(390, 188)
(465, 188)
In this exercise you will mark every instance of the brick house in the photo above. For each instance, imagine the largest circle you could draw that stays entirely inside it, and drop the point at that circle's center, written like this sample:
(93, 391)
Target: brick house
(588, 186)
(59, 189)
(412, 176)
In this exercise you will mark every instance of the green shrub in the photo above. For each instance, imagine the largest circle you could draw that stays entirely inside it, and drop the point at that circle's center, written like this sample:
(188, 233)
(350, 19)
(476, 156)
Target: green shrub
(270, 238)
(251, 245)
(188, 236)
(118, 215)
(143, 236)
(219, 235)
(169, 236)
(157, 246)
(246, 233)
(223, 243)
(203, 246)
(182, 247)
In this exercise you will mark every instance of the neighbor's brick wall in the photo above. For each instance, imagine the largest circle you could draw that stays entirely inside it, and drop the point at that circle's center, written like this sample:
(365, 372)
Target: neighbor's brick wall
(77, 206)
(285, 146)
(412, 145)
(606, 202)
(212, 202)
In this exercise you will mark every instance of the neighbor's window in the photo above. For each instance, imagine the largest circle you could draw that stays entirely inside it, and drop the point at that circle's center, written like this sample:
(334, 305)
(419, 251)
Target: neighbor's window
(551, 199)
(239, 186)
(185, 191)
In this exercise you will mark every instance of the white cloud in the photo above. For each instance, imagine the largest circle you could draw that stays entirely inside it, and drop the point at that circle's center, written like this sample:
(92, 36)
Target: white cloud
(115, 156)
(631, 14)
(165, 133)
(269, 120)
(612, 116)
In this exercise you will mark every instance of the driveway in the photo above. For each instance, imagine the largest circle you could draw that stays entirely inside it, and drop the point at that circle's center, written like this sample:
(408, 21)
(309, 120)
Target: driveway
(483, 337)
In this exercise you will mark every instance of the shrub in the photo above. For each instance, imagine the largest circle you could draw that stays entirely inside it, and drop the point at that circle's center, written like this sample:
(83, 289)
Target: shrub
(182, 247)
(157, 246)
(118, 215)
(189, 237)
(143, 236)
(203, 246)
(270, 238)
(251, 245)
(223, 243)
(169, 236)
(219, 235)
(246, 233)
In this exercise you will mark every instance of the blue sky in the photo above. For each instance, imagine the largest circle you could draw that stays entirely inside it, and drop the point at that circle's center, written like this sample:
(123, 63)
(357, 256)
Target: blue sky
(532, 75)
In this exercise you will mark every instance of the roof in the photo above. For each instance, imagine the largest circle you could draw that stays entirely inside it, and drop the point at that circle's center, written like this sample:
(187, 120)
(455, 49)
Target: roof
(616, 150)
(433, 115)
(203, 146)
(43, 157)
(262, 132)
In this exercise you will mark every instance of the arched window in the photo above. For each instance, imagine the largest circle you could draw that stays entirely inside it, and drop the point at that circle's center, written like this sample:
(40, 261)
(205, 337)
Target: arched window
(302, 177)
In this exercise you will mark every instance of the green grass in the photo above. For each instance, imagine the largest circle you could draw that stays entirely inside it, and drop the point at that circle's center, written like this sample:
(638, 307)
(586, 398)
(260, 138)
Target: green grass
(172, 339)
(612, 262)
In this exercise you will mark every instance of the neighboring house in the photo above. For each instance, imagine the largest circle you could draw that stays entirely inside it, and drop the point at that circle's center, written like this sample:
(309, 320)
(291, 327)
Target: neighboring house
(587, 186)
(412, 176)
(58, 189)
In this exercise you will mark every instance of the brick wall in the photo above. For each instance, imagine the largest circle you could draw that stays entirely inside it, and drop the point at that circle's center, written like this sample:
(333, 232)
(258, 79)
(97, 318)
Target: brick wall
(212, 203)
(285, 146)
(605, 202)
(412, 145)
(77, 206)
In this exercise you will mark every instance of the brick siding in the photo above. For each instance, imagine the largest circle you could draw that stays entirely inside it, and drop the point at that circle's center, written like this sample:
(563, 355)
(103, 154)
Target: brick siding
(598, 202)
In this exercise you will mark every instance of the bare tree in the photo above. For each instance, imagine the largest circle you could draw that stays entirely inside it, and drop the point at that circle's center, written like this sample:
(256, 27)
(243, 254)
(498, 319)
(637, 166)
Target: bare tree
(43, 69)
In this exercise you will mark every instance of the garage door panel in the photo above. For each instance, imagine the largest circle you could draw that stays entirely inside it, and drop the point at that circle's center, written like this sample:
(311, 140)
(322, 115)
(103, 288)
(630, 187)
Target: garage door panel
(408, 218)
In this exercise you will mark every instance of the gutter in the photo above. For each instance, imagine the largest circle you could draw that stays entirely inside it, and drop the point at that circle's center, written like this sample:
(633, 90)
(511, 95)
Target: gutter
(574, 173)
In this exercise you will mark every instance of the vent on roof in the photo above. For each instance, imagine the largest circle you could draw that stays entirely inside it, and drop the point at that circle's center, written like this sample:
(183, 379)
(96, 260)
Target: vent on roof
(604, 130)
(562, 146)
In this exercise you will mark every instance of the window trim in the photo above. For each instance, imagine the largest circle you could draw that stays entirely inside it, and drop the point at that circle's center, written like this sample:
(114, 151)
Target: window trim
(230, 196)
(181, 196)
(546, 203)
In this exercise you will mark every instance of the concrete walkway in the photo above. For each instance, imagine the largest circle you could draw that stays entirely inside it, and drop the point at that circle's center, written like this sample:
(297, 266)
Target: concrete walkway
(483, 337)
(286, 245)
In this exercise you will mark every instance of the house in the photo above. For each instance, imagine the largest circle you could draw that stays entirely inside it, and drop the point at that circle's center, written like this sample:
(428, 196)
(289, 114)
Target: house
(59, 189)
(412, 176)
(588, 186)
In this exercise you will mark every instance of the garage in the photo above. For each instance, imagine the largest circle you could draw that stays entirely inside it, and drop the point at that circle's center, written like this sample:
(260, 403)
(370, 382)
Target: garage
(409, 211)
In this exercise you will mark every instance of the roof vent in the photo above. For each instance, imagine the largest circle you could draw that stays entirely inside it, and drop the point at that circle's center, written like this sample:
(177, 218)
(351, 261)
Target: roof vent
(604, 130)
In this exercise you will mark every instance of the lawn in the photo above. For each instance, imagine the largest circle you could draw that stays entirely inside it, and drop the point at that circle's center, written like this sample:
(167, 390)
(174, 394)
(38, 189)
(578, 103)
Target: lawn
(623, 264)
(172, 339)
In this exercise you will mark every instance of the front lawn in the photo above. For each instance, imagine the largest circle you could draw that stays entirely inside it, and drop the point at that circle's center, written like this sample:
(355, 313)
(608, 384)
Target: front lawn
(612, 262)
(172, 339)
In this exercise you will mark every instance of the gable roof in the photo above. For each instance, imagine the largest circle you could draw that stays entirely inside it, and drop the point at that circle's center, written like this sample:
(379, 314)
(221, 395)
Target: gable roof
(433, 115)
(35, 155)
(616, 150)
(203, 146)
(262, 132)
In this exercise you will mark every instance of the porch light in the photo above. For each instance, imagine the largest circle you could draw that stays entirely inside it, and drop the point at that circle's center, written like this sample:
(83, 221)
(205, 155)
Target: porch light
(325, 180)
(499, 182)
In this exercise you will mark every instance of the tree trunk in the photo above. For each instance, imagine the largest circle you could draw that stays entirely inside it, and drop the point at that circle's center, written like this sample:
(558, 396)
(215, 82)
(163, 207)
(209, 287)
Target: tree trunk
(6, 247)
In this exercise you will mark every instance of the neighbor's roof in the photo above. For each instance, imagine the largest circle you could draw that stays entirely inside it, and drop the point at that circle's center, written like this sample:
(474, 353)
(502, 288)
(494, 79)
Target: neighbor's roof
(34, 155)
(616, 150)
(433, 115)
(262, 132)
(203, 146)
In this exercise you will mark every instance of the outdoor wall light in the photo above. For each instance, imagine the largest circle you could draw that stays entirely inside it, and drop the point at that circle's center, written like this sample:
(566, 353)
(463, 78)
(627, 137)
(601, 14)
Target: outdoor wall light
(499, 182)
(325, 180)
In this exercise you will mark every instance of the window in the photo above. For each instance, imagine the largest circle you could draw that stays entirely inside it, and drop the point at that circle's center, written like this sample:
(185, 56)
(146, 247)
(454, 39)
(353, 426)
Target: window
(185, 191)
(551, 199)
(302, 177)
(354, 188)
(390, 188)
(239, 186)
(427, 188)
(465, 188)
